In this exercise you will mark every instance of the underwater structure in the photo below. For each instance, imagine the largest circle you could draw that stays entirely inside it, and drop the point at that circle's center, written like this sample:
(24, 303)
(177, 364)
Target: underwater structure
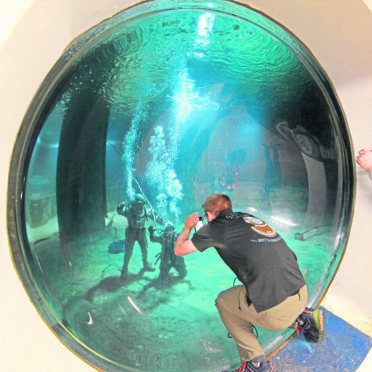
(173, 100)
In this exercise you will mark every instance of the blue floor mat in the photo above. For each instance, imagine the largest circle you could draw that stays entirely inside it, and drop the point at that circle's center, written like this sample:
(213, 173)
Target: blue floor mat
(343, 348)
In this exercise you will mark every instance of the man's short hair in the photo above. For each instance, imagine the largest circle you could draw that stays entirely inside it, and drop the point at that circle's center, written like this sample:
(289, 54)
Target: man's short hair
(216, 203)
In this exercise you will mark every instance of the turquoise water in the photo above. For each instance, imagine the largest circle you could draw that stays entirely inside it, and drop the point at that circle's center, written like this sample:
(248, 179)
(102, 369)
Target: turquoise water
(175, 103)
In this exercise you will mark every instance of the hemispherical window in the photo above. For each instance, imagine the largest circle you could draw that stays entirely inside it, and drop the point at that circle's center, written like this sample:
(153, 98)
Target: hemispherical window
(156, 108)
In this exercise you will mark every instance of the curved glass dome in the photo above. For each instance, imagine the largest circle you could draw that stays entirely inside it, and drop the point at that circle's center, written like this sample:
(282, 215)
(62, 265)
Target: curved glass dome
(169, 101)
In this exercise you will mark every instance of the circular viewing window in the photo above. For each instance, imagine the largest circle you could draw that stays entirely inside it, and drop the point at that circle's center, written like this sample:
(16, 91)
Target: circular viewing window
(157, 107)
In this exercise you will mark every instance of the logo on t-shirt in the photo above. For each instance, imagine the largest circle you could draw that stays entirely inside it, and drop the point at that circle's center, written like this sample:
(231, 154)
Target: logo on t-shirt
(259, 226)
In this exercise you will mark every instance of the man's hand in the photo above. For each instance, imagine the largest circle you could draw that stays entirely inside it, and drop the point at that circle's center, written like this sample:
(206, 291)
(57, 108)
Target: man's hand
(183, 244)
(192, 220)
(364, 159)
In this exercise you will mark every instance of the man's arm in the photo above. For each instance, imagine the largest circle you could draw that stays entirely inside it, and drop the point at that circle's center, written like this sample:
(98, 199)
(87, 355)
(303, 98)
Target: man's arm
(155, 217)
(184, 245)
(154, 238)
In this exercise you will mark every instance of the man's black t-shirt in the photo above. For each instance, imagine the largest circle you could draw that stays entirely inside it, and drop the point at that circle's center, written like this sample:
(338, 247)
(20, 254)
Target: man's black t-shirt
(257, 255)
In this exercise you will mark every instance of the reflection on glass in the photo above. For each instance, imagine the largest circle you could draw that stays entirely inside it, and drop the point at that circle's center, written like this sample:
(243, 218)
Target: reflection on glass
(151, 118)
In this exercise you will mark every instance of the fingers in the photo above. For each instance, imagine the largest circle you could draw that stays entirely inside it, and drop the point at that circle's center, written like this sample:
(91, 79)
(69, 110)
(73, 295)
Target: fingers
(192, 220)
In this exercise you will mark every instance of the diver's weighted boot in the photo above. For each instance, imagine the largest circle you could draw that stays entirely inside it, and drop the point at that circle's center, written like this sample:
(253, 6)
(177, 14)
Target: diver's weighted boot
(148, 267)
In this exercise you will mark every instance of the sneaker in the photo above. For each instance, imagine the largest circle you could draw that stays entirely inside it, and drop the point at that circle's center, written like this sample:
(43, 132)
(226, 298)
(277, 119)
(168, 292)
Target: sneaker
(311, 323)
(255, 367)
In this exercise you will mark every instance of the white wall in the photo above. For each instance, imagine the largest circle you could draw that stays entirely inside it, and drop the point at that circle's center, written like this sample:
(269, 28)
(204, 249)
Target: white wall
(33, 35)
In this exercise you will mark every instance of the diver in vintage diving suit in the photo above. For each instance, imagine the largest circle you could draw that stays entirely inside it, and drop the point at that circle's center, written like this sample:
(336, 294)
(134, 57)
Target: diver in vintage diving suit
(137, 215)
(167, 238)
